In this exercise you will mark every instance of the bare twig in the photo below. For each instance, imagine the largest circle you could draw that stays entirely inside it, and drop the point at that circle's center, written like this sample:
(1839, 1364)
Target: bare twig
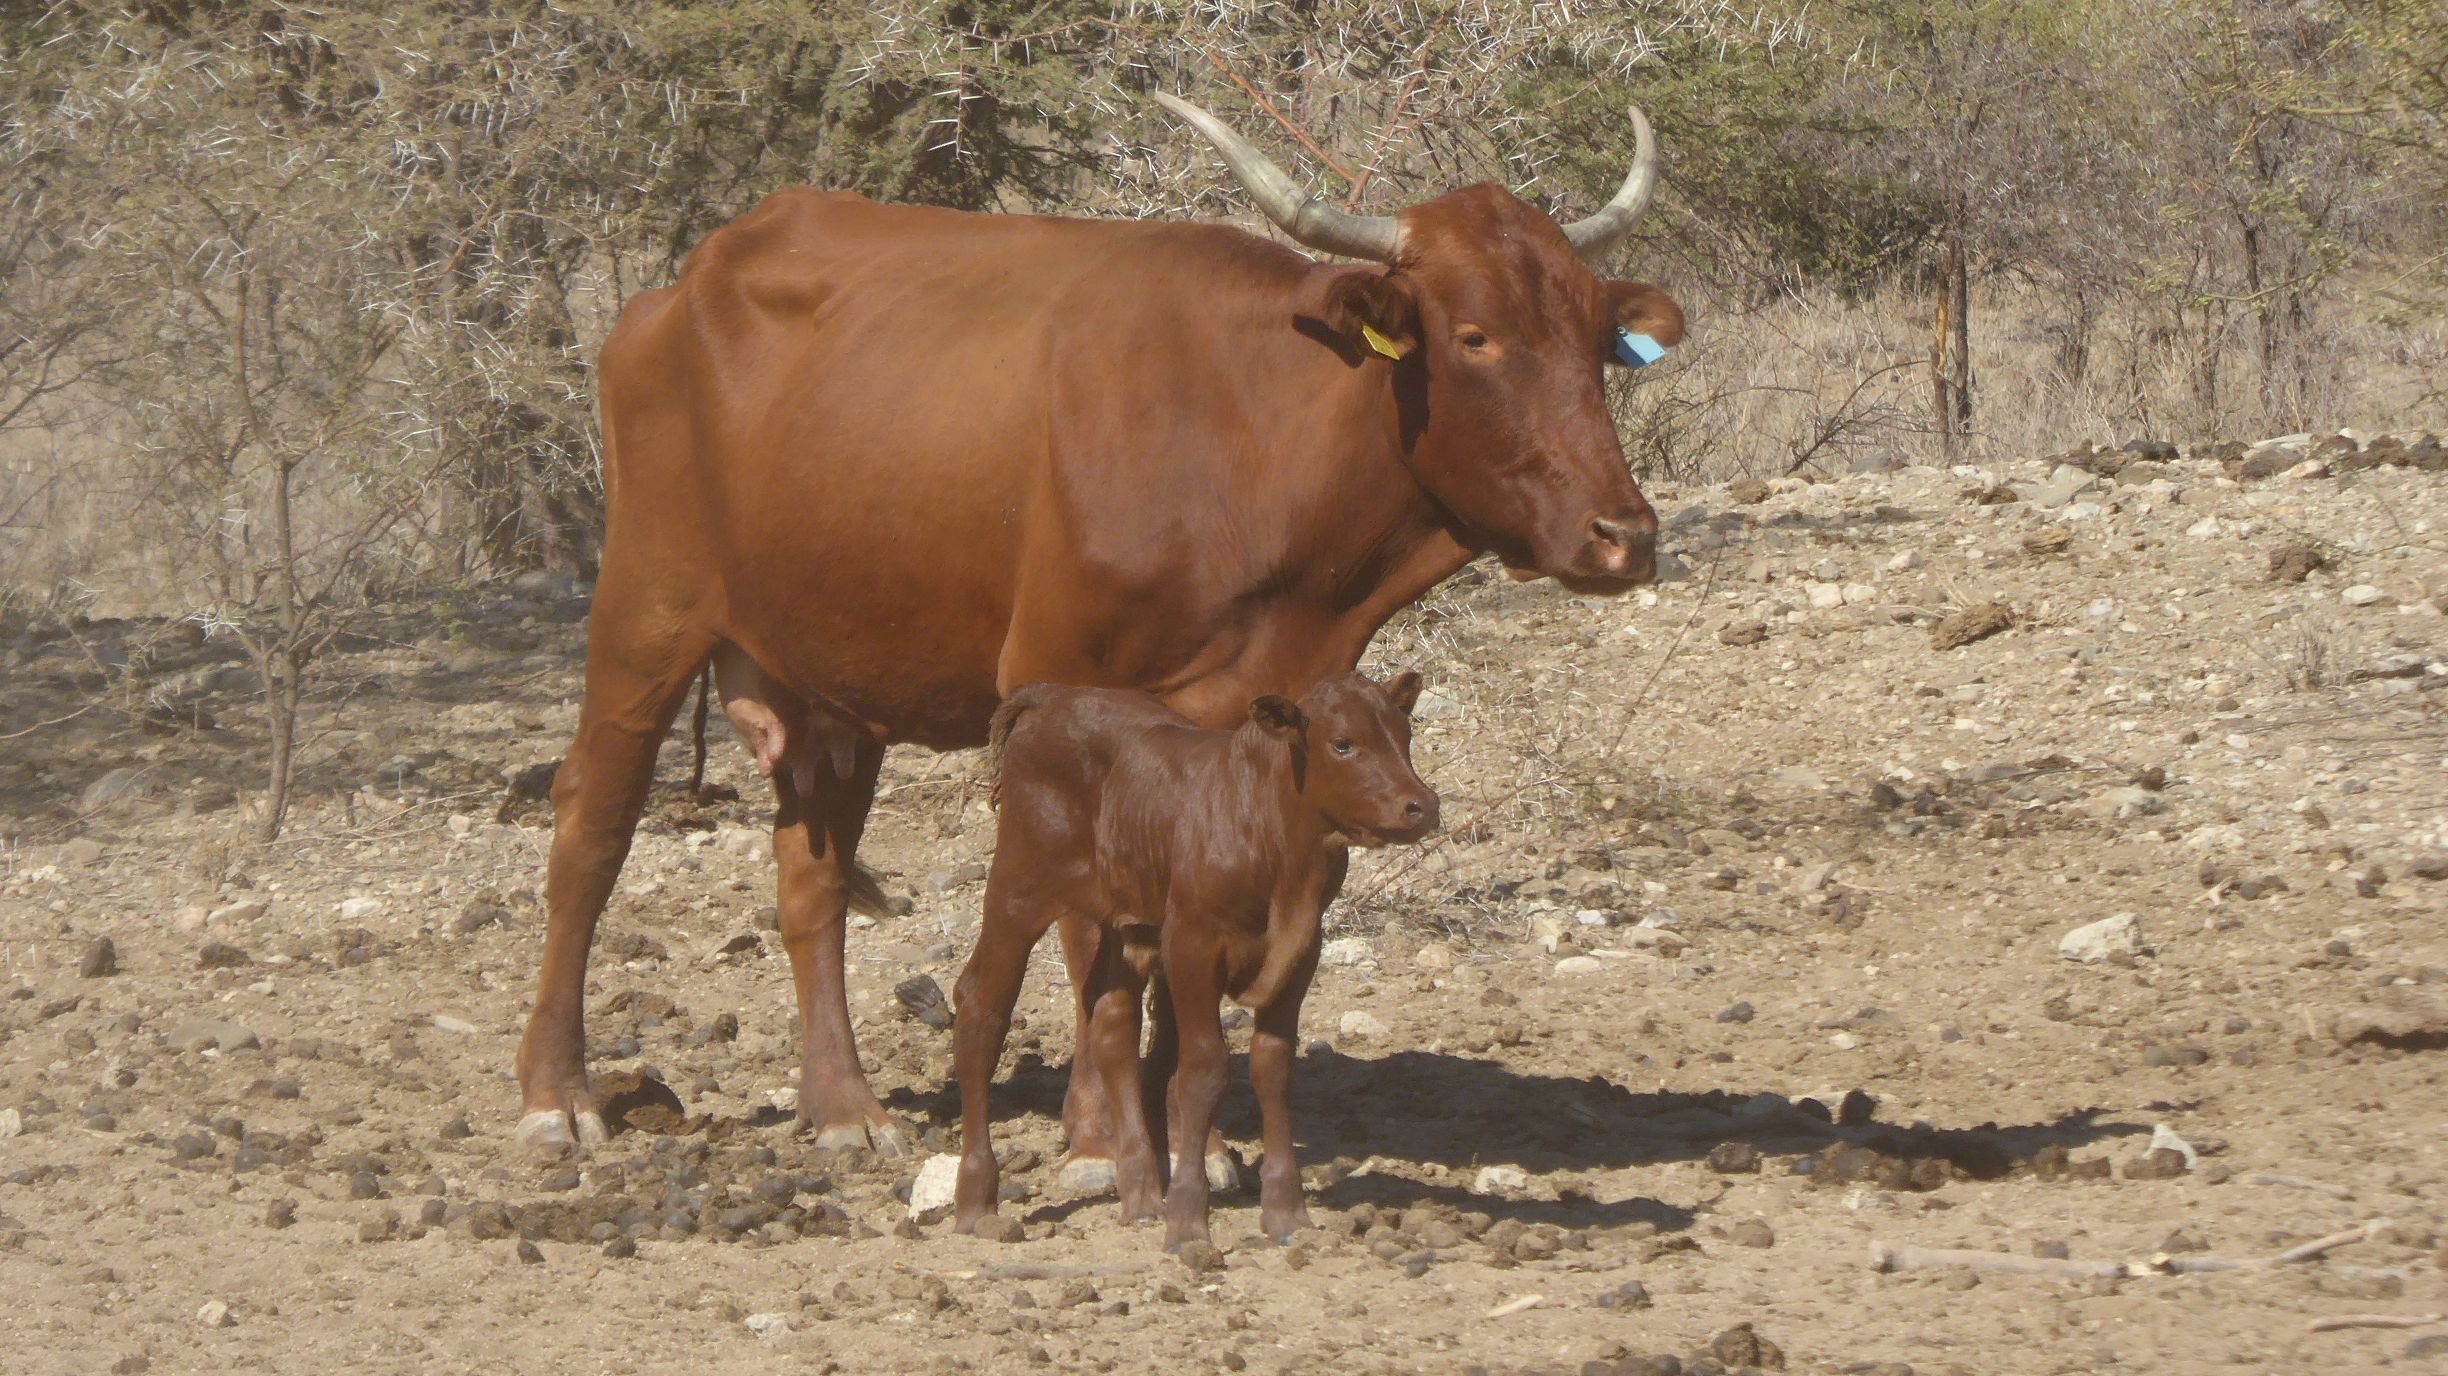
(2338, 1321)
(1278, 116)
(1895, 1257)
(2295, 1182)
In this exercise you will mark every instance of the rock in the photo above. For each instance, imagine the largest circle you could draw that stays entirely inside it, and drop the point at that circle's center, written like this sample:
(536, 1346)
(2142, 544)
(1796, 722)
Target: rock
(2064, 484)
(444, 1022)
(1499, 1180)
(2361, 595)
(1972, 623)
(2105, 939)
(81, 852)
(1202, 1257)
(1734, 1158)
(2158, 1163)
(1579, 965)
(220, 955)
(2125, 801)
(480, 915)
(118, 784)
(1629, 1295)
(1739, 1347)
(12, 1123)
(1824, 596)
(1365, 1025)
(215, 1314)
(1001, 1228)
(529, 1254)
(1752, 1232)
(930, 1197)
(767, 1325)
(100, 961)
(239, 913)
(197, 1034)
(1746, 492)
(359, 908)
(1434, 957)
(2053, 540)
(1740, 1012)
(1743, 633)
(1347, 950)
(922, 998)
(2430, 1346)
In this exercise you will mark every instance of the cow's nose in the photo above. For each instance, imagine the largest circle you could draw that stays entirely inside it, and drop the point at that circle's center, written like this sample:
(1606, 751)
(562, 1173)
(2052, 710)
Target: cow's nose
(1421, 813)
(1625, 549)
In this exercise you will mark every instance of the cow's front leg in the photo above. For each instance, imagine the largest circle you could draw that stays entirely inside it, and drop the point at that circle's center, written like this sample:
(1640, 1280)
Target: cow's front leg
(1281, 1209)
(1191, 967)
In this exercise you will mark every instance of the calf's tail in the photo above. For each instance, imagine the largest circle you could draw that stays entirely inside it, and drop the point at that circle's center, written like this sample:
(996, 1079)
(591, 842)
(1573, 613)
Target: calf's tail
(998, 731)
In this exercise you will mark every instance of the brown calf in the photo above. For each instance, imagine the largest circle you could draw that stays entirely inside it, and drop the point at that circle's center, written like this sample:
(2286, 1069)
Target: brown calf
(1212, 853)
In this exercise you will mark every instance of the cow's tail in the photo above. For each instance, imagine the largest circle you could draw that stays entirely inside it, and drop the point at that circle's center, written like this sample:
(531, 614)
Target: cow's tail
(998, 732)
(866, 891)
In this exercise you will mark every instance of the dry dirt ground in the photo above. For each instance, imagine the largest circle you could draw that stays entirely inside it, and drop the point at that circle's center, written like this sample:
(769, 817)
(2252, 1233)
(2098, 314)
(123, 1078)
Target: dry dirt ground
(1713, 849)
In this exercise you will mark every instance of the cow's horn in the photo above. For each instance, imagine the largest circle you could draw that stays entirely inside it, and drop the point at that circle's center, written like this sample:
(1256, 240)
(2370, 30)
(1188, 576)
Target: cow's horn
(1593, 238)
(1301, 215)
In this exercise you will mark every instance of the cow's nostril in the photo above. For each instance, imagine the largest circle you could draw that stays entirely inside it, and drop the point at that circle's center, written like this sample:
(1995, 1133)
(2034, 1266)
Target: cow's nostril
(1412, 810)
(1610, 532)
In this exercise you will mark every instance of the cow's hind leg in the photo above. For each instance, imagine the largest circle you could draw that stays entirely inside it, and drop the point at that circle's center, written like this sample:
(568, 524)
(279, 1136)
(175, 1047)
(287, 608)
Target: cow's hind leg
(640, 663)
(816, 835)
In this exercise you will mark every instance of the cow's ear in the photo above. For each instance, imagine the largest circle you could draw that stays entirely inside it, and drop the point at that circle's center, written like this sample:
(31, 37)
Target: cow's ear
(1279, 717)
(1365, 302)
(1404, 689)
(1642, 309)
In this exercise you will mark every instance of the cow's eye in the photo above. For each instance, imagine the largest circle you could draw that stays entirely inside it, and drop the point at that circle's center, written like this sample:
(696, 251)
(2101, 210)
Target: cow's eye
(1342, 746)
(1472, 339)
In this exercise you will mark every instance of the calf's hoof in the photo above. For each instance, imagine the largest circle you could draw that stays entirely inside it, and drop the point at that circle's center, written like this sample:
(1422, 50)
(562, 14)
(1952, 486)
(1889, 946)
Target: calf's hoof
(1086, 1174)
(1280, 1226)
(560, 1130)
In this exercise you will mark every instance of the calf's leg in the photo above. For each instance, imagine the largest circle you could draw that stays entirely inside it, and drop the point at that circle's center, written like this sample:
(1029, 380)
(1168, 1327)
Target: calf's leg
(1113, 1049)
(1281, 1210)
(982, 1003)
(1087, 1165)
(1198, 1086)
(1163, 1054)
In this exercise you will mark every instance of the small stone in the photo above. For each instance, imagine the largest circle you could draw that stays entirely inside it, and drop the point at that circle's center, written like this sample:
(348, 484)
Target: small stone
(197, 1034)
(1751, 1232)
(2105, 939)
(100, 961)
(1743, 633)
(2427, 1346)
(529, 1253)
(1629, 1295)
(1434, 958)
(1579, 965)
(1346, 950)
(1824, 596)
(1972, 623)
(239, 913)
(359, 908)
(1201, 1257)
(1734, 1158)
(280, 1213)
(2159, 1163)
(444, 1022)
(767, 1325)
(1001, 1228)
(81, 852)
(215, 1314)
(1740, 1012)
(1746, 492)
(930, 1197)
(220, 955)
(1499, 1180)
(1361, 1024)
(2361, 595)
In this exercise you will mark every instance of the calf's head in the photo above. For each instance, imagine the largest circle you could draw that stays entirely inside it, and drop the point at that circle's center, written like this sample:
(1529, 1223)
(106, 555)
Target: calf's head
(1504, 334)
(1350, 740)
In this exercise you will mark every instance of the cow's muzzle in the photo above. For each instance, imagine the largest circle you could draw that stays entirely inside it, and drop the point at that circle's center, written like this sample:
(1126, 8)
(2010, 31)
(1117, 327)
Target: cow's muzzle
(1622, 550)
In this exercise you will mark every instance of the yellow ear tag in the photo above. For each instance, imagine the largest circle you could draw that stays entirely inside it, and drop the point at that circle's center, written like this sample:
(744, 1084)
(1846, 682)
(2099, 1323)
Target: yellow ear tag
(1380, 343)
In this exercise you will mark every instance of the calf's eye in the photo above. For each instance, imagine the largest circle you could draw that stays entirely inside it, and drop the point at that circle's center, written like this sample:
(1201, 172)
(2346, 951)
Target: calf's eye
(1342, 747)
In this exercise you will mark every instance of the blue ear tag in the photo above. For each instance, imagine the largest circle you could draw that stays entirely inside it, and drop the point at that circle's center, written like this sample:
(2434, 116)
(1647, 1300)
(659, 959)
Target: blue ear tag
(1637, 350)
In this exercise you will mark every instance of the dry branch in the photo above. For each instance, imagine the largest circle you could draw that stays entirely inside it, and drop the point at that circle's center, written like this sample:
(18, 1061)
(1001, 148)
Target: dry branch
(2338, 1321)
(1896, 1257)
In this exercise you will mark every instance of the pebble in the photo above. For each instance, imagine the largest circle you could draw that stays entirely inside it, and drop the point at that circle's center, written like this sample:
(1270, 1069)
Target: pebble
(215, 1314)
(359, 908)
(12, 1123)
(2105, 939)
(1434, 958)
(1001, 1228)
(767, 1325)
(529, 1253)
(101, 959)
(196, 1034)
(1740, 1012)
(1346, 950)
(1202, 1257)
(2361, 595)
(220, 955)
(245, 910)
(1752, 1232)
(1499, 1180)
(1734, 1158)
(444, 1022)
(1359, 1023)
(1824, 596)
(81, 852)
(1579, 965)
(930, 1196)
(1629, 1295)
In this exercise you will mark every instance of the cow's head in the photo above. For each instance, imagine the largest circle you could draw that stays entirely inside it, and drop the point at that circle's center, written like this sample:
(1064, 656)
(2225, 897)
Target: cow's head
(1504, 334)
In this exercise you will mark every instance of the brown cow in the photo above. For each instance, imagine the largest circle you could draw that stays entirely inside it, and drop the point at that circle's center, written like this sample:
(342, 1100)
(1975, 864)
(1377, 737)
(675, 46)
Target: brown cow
(902, 459)
(1212, 853)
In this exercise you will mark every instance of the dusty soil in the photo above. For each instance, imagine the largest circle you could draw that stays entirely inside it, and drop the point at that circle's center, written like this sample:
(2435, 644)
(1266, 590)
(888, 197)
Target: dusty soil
(1713, 849)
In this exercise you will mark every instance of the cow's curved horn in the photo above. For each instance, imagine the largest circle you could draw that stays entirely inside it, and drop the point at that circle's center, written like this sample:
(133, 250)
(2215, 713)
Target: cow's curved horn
(1299, 214)
(1596, 236)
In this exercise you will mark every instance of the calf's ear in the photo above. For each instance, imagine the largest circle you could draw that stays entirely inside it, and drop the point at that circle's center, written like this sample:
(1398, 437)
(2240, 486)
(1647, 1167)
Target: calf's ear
(1279, 717)
(1404, 689)
(1643, 309)
(1365, 302)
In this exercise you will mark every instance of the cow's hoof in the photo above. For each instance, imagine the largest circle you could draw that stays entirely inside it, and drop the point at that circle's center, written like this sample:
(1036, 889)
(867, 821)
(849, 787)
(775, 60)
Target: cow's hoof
(884, 1139)
(1086, 1175)
(1223, 1172)
(549, 1130)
